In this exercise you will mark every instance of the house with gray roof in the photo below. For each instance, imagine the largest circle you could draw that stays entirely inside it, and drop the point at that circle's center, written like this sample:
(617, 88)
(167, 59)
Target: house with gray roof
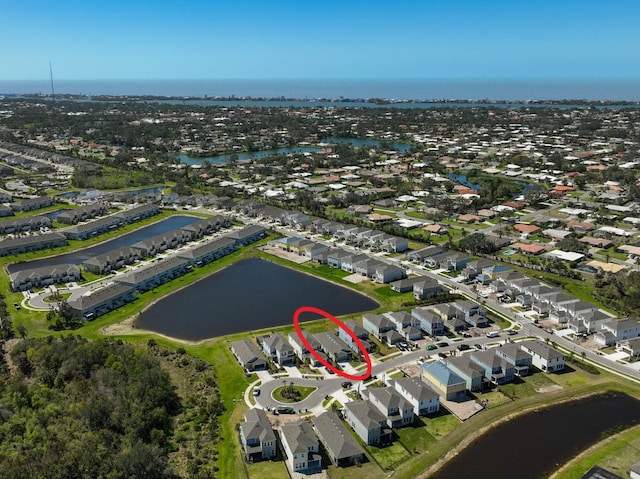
(405, 285)
(617, 330)
(302, 351)
(444, 381)
(378, 325)
(88, 230)
(361, 333)
(367, 422)
(248, 355)
(257, 436)
(430, 321)
(349, 263)
(153, 275)
(301, 447)
(336, 256)
(341, 447)
(386, 273)
(544, 357)
(470, 371)
(11, 246)
(100, 301)
(277, 349)
(471, 312)
(514, 355)
(397, 410)
(422, 254)
(423, 399)
(335, 348)
(496, 368)
(157, 244)
(407, 325)
(137, 213)
(38, 277)
(5, 211)
(367, 267)
(426, 288)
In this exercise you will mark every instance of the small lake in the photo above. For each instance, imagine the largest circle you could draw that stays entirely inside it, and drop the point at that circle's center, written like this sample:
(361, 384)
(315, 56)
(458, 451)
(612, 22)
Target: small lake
(78, 257)
(536, 444)
(250, 294)
(358, 143)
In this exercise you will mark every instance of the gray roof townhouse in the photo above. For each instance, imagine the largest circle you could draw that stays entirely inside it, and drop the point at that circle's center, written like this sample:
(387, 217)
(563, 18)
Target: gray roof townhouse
(341, 447)
(247, 235)
(204, 253)
(137, 213)
(83, 213)
(301, 447)
(423, 399)
(88, 230)
(257, 436)
(111, 260)
(420, 255)
(153, 275)
(101, 301)
(11, 246)
(248, 355)
(30, 204)
(386, 273)
(471, 312)
(29, 223)
(367, 422)
(405, 285)
(544, 357)
(44, 276)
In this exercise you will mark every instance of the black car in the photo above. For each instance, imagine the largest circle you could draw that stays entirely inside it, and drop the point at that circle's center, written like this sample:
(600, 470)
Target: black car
(463, 347)
(442, 355)
(347, 384)
(477, 346)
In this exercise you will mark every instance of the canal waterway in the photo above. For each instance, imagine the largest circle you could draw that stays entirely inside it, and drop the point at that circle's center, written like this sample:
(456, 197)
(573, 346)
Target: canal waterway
(78, 257)
(248, 295)
(256, 155)
(536, 444)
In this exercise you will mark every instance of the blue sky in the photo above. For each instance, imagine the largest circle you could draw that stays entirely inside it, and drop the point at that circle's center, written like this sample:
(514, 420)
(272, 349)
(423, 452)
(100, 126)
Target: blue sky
(140, 39)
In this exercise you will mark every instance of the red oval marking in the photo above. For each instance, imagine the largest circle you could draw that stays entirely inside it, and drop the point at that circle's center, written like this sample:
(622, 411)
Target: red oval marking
(340, 324)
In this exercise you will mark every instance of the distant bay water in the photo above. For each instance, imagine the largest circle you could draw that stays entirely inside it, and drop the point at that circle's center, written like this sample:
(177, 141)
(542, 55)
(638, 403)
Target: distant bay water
(430, 90)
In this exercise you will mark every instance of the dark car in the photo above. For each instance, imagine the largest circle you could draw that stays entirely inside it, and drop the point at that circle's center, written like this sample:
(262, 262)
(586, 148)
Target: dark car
(431, 347)
(511, 332)
(477, 346)
(463, 347)
(347, 384)
(442, 344)
(442, 355)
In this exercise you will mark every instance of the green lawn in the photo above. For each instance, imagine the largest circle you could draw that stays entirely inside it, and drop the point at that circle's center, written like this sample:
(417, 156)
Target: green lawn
(267, 470)
(442, 424)
(416, 437)
(304, 392)
(389, 457)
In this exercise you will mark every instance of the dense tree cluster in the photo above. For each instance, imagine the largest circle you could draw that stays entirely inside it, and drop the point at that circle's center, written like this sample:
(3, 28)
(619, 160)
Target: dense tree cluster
(619, 291)
(72, 408)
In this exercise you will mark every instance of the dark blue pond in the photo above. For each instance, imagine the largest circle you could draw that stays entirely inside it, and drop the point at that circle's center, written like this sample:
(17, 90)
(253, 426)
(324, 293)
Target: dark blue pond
(78, 257)
(250, 294)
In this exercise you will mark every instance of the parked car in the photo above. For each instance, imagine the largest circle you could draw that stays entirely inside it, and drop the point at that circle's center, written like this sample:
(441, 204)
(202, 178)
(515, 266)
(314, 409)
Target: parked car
(511, 332)
(442, 344)
(477, 346)
(493, 334)
(431, 347)
(442, 355)
(463, 347)
(347, 384)
(256, 391)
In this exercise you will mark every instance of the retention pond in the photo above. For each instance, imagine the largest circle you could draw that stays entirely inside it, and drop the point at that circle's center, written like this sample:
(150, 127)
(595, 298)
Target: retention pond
(536, 444)
(250, 294)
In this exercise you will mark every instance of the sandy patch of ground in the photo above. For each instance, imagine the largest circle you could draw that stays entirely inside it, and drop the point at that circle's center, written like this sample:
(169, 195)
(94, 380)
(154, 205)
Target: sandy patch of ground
(128, 327)
(355, 278)
(549, 389)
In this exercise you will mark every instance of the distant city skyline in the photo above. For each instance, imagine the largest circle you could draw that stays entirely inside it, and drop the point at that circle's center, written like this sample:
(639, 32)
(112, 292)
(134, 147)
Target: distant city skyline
(373, 39)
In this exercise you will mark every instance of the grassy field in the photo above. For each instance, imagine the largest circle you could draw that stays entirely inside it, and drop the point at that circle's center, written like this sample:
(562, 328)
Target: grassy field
(390, 456)
(303, 391)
